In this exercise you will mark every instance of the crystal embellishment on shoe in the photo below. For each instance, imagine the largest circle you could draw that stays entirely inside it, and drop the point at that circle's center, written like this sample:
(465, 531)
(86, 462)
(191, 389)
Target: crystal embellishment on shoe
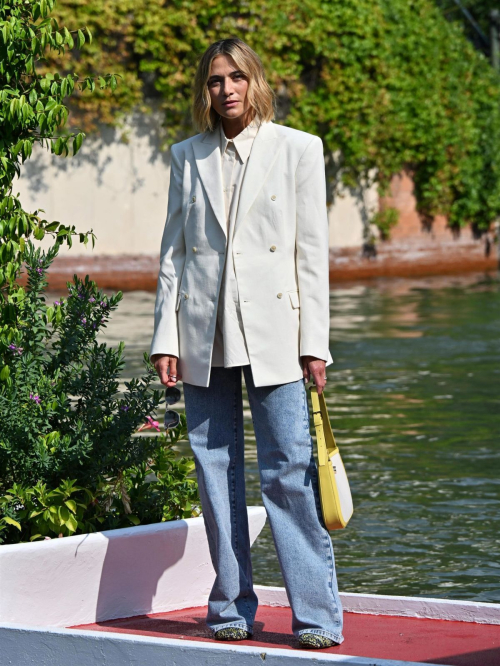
(232, 634)
(315, 641)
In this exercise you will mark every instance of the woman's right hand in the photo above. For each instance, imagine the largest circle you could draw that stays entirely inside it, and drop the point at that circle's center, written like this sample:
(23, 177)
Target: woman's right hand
(166, 367)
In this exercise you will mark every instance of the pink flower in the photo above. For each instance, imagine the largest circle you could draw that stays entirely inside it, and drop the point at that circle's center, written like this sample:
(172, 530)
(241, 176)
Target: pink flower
(149, 425)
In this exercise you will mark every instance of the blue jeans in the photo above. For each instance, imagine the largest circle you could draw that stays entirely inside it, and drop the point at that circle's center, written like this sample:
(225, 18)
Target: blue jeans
(289, 485)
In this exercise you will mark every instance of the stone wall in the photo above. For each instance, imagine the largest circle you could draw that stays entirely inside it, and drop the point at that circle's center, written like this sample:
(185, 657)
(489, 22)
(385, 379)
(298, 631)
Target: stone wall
(117, 185)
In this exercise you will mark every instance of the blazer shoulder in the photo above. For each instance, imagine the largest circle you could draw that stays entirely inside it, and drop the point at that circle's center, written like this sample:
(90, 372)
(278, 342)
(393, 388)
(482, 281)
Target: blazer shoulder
(298, 138)
(180, 149)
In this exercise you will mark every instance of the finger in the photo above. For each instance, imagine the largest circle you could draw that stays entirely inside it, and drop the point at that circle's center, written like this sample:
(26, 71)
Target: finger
(319, 379)
(172, 371)
(161, 367)
(319, 374)
(305, 368)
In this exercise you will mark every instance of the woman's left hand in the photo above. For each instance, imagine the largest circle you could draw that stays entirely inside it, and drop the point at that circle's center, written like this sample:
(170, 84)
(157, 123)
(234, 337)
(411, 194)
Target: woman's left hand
(317, 368)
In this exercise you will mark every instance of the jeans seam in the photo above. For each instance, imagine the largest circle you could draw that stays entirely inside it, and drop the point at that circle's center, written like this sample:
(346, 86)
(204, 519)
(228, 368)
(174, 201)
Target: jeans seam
(233, 483)
(338, 638)
(239, 625)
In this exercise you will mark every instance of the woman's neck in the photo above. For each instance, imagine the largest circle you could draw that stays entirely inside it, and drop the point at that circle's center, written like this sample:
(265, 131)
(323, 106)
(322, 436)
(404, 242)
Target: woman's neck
(233, 126)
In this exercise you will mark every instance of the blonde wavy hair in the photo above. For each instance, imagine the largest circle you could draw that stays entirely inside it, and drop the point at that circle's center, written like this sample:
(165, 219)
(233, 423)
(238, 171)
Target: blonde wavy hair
(260, 95)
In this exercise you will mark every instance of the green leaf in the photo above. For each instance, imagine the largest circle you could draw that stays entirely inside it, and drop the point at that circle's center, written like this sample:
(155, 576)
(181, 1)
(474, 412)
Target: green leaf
(72, 523)
(57, 146)
(68, 38)
(4, 373)
(71, 504)
(77, 142)
(81, 39)
(11, 521)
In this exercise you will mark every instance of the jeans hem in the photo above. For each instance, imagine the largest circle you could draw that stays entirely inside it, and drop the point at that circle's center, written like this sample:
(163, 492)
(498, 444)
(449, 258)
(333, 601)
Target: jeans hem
(338, 638)
(238, 625)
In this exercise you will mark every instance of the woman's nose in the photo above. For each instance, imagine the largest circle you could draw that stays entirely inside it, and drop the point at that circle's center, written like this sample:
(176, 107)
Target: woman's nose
(227, 86)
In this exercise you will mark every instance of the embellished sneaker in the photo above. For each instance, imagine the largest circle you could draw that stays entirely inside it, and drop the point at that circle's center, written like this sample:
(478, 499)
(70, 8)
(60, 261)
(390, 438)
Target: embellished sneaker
(315, 641)
(232, 634)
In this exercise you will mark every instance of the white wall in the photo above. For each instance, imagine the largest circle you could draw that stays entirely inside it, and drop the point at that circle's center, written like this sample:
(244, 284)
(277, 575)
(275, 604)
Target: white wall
(119, 189)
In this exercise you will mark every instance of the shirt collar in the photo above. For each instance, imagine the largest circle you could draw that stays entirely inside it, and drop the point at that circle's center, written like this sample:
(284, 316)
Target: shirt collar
(242, 141)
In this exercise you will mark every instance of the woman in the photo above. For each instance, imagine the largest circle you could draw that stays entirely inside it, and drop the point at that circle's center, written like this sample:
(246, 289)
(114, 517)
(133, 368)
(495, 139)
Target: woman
(243, 288)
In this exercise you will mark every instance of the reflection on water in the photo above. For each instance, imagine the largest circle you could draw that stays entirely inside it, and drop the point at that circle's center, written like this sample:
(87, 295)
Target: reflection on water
(414, 397)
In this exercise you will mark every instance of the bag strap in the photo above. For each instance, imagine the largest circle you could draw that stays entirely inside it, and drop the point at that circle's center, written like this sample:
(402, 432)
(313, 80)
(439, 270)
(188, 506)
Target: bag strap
(327, 445)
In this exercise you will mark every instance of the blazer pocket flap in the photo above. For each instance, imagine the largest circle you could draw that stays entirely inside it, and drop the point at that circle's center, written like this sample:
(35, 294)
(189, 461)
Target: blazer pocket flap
(294, 299)
(178, 301)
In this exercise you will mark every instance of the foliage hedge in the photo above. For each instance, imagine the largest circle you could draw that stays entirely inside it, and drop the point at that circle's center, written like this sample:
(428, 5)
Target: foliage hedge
(388, 84)
(70, 456)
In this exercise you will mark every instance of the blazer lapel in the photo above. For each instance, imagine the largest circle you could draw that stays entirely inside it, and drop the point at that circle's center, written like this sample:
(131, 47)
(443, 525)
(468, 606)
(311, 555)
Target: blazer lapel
(208, 158)
(265, 149)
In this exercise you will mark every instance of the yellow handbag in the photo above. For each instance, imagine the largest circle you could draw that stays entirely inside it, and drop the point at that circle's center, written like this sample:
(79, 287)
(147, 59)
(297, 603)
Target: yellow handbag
(334, 490)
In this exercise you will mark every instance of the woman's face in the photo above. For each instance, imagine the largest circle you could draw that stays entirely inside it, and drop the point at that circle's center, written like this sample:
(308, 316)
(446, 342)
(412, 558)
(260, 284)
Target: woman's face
(228, 87)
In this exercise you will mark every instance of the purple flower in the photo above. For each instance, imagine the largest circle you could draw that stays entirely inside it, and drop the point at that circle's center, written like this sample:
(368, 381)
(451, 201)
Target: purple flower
(57, 302)
(83, 320)
(16, 350)
(125, 408)
(91, 299)
(36, 398)
(39, 271)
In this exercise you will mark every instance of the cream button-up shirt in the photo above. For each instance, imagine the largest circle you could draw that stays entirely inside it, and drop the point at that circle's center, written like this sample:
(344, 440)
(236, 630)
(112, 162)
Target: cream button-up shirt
(230, 347)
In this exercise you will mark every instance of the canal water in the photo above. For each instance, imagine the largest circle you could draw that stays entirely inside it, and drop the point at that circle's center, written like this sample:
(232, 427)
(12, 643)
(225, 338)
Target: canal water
(414, 398)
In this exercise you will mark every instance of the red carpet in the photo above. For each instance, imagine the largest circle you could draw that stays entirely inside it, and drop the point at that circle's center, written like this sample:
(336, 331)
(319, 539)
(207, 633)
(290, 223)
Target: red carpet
(375, 636)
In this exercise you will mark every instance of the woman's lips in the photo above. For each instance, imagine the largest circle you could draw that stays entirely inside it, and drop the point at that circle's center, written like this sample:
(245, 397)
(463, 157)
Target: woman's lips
(230, 103)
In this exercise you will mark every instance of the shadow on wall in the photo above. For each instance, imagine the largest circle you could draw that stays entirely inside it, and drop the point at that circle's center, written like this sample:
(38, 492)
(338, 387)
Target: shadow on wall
(133, 567)
(140, 133)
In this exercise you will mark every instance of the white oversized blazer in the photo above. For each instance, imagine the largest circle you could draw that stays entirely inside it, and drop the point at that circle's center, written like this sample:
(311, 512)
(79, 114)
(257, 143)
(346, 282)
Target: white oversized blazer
(280, 252)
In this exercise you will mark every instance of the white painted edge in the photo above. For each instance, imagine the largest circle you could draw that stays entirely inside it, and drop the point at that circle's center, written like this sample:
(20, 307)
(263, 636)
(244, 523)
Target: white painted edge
(22, 645)
(113, 574)
(381, 604)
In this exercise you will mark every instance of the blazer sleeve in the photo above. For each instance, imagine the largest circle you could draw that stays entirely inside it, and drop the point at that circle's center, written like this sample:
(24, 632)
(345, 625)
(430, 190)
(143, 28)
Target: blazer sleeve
(172, 260)
(312, 252)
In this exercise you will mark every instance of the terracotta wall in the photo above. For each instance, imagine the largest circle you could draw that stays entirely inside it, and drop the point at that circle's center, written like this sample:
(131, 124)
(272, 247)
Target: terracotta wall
(416, 247)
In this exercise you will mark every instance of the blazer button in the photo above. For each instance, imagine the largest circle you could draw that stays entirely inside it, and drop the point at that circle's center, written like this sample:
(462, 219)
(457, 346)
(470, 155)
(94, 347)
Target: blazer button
(273, 197)
(195, 249)
(280, 295)
(186, 295)
(273, 248)
(193, 199)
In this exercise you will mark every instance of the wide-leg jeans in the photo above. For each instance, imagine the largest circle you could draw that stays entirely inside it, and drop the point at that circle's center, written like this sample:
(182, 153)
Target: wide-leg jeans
(289, 486)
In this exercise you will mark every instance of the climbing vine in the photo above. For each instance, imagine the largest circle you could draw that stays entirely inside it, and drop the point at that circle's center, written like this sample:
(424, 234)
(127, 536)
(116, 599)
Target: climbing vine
(389, 85)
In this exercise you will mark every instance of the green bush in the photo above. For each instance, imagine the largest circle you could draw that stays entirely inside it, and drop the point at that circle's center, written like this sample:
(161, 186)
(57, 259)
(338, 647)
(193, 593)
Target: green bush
(390, 85)
(70, 456)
